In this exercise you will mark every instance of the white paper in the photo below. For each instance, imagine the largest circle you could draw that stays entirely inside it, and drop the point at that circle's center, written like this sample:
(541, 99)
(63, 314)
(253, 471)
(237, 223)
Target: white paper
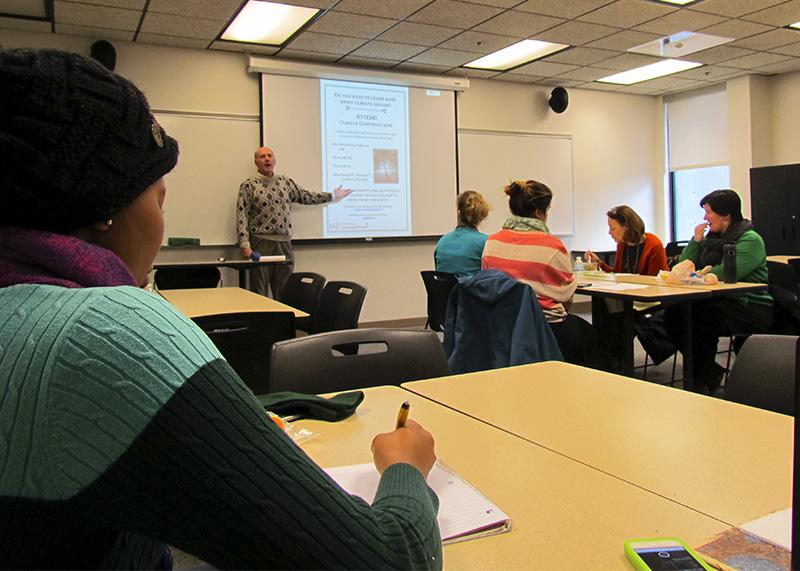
(614, 286)
(775, 527)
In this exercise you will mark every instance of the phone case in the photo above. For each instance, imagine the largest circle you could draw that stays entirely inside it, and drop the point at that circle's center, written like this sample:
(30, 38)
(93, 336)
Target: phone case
(640, 565)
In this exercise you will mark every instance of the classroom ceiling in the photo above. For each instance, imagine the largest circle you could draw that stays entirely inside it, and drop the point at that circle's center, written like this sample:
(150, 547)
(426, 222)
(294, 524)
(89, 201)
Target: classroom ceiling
(438, 36)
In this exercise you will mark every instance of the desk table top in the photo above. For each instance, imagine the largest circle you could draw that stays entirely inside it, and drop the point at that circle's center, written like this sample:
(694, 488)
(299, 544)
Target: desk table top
(783, 259)
(566, 515)
(726, 460)
(200, 302)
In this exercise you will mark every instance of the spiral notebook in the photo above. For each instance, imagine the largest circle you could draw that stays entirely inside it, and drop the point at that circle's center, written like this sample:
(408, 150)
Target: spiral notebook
(464, 512)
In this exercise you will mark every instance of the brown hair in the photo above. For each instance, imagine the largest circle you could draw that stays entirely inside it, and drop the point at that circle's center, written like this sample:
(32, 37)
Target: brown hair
(626, 217)
(526, 197)
(472, 208)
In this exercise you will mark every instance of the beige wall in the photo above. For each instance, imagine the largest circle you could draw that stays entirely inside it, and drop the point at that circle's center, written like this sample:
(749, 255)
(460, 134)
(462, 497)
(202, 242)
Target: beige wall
(618, 153)
(785, 118)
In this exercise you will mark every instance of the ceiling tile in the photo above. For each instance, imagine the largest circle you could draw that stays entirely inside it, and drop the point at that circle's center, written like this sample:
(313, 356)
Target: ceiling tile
(367, 62)
(419, 34)
(588, 73)
(306, 55)
(322, 4)
(670, 82)
(756, 60)
(575, 33)
(624, 62)
(397, 9)
(736, 29)
(27, 25)
(353, 25)
(557, 81)
(627, 13)
(768, 40)
(423, 67)
(516, 78)
(681, 21)
(544, 68)
(172, 25)
(787, 66)
(560, 8)
(709, 73)
(581, 56)
(94, 32)
(791, 49)
(325, 43)
(639, 89)
(387, 50)
(733, 8)
(472, 73)
(243, 48)
(129, 4)
(455, 14)
(718, 54)
(601, 86)
(496, 3)
(438, 56)
(624, 40)
(209, 9)
(478, 42)
(172, 41)
(97, 16)
(518, 24)
(780, 15)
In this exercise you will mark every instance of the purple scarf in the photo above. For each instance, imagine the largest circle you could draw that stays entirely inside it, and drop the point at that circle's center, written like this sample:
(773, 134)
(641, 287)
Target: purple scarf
(29, 256)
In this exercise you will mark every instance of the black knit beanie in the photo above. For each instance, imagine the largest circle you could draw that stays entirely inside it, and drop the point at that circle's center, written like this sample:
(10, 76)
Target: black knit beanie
(77, 142)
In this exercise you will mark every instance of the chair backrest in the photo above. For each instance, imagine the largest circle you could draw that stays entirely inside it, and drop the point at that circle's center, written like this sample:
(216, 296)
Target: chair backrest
(438, 286)
(339, 307)
(186, 278)
(356, 358)
(674, 251)
(245, 340)
(763, 374)
(302, 291)
(783, 275)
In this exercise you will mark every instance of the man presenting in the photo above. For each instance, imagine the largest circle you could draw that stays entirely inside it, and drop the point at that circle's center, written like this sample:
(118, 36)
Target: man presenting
(264, 219)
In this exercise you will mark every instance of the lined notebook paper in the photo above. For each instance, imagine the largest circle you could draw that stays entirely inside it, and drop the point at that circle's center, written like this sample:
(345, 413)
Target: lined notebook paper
(464, 512)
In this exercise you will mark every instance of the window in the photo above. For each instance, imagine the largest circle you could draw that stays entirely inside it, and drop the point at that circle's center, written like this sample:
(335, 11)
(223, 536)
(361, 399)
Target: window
(687, 187)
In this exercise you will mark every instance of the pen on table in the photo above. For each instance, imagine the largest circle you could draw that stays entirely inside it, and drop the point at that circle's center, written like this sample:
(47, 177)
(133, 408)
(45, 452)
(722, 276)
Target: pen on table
(716, 564)
(402, 416)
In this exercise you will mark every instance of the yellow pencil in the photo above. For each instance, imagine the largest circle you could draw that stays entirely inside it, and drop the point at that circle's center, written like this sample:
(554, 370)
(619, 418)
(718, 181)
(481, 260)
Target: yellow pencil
(402, 416)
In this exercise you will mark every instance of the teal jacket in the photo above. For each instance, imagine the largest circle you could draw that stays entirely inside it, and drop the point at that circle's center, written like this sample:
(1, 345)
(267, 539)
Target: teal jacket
(459, 252)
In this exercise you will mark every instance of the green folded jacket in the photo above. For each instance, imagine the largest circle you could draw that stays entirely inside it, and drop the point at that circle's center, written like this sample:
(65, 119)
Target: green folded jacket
(335, 408)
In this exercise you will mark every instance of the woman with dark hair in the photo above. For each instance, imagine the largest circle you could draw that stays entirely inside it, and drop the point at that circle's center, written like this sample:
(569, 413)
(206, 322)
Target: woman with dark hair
(526, 250)
(123, 428)
(638, 252)
(748, 313)
(459, 251)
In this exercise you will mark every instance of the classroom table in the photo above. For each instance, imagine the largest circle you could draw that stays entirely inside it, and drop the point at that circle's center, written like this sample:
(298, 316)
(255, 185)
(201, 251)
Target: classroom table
(567, 515)
(793, 260)
(241, 265)
(200, 302)
(728, 461)
(652, 289)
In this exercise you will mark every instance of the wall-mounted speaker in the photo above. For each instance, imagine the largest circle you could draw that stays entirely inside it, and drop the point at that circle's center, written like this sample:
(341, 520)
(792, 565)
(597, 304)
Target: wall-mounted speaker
(559, 100)
(105, 53)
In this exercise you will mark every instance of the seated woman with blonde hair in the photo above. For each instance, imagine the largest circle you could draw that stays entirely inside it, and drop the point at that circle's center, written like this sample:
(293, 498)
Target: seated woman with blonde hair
(638, 252)
(459, 251)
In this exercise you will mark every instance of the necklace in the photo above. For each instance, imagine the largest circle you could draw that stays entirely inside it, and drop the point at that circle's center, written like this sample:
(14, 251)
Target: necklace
(637, 251)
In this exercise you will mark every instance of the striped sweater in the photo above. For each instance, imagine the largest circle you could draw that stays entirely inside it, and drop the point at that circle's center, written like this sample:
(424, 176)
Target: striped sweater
(124, 429)
(538, 259)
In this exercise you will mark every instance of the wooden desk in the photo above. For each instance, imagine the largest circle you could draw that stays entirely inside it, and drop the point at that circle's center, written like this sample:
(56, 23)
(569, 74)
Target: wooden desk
(220, 300)
(725, 460)
(241, 265)
(784, 259)
(566, 515)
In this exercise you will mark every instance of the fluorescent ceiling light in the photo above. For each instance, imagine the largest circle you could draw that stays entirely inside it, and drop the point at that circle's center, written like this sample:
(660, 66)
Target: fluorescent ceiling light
(680, 44)
(796, 25)
(678, 2)
(651, 71)
(516, 54)
(267, 22)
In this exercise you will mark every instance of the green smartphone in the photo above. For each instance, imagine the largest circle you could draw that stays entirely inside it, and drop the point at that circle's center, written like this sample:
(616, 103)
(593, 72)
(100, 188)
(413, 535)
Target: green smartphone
(664, 554)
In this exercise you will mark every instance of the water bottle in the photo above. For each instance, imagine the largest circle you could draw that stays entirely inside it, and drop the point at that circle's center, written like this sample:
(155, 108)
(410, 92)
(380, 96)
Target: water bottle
(578, 267)
(729, 263)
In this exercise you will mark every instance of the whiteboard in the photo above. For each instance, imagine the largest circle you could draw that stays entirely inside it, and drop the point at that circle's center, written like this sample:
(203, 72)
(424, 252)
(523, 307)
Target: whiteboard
(489, 160)
(216, 155)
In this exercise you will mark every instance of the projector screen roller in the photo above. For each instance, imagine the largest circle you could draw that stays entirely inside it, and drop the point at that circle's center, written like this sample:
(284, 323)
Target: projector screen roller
(393, 146)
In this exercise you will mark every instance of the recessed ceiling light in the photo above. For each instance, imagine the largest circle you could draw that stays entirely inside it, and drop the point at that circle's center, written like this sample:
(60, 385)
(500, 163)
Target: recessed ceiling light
(267, 23)
(680, 44)
(516, 55)
(650, 71)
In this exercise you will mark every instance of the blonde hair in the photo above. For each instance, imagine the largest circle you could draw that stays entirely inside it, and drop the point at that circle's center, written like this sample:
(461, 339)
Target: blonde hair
(472, 208)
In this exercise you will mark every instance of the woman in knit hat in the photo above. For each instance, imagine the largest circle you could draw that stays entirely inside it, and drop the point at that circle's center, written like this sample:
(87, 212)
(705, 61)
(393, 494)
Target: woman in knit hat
(122, 428)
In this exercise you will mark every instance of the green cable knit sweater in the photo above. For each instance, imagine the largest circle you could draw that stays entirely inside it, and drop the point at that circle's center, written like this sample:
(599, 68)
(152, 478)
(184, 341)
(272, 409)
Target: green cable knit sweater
(122, 428)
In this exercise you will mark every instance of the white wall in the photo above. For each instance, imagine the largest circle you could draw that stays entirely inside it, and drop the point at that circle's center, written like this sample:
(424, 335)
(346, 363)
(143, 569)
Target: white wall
(785, 118)
(618, 151)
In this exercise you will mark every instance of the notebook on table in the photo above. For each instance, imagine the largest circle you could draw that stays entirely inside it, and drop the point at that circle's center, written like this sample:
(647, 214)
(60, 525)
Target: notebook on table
(464, 512)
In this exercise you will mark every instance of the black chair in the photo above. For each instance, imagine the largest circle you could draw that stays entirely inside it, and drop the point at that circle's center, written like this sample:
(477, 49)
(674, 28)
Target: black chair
(302, 291)
(438, 286)
(763, 374)
(245, 340)
(325, 363)
(186, 278)
(674, 251)
(339, 307)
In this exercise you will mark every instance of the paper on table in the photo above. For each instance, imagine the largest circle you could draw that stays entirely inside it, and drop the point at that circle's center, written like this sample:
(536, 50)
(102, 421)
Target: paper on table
(464, 512)
(614, 286)
(775, 527)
